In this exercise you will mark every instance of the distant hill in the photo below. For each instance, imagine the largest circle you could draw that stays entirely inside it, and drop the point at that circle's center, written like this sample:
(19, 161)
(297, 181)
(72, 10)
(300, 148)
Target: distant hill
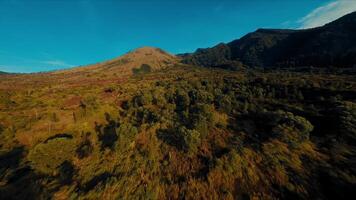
(120, 69)
(155, 58)
(331, 45)
(2, 72)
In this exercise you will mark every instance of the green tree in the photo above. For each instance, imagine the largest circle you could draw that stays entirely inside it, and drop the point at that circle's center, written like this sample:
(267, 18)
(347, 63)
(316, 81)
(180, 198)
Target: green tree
(182, 99)
(191, 140)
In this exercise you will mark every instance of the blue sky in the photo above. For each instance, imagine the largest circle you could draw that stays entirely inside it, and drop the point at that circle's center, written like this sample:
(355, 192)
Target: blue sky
(43, 35)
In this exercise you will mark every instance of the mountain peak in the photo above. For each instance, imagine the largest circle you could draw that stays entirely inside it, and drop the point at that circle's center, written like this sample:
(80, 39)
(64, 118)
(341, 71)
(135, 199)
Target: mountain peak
(147, 49)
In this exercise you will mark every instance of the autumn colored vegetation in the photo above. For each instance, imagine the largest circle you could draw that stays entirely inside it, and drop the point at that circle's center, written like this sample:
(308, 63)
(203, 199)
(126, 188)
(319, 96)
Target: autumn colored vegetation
(182, 132)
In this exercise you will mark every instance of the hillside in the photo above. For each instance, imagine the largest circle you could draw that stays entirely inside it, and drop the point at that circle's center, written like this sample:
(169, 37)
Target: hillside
(181, 132)
(331, 45)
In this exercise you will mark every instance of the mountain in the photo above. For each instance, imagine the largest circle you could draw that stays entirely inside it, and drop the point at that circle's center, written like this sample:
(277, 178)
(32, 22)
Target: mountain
(155, 58)
(138, 61)
(333, 44)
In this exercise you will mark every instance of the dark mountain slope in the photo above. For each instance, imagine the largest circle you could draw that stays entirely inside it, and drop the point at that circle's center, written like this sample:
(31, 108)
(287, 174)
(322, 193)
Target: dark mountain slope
(331, 45)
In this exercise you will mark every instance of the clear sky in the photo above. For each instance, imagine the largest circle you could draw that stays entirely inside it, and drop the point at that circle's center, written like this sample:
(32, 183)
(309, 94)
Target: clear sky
(42, 35)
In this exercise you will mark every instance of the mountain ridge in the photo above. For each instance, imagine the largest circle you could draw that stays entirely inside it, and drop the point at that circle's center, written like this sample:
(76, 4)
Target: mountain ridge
(330, 45)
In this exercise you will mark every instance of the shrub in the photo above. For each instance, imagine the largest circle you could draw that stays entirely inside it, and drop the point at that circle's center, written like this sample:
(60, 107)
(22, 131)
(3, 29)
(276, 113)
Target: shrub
(220, 119)
(200, 116)
(191, 139)
(182, 99)
(158, 98)
(145, 98)
(127, 131)
(144, 69)
(84, 149)
(292, 129)
(201, 96)
(147, 116)
(223, 103)
(47, 157)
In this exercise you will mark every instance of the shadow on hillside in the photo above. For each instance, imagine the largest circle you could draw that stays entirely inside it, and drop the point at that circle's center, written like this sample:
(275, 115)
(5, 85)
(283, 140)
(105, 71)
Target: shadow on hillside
(107, 133)
(101, 178)
(62, 135)
(17, 181)
(10, 159)
(171, 138)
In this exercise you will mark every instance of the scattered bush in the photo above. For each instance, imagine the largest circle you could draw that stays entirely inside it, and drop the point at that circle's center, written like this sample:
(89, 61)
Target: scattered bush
(47, 157)
(186, 134)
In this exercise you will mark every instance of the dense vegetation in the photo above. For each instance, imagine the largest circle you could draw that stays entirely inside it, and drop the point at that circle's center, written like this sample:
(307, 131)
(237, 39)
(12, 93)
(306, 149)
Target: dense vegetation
(330, 45)
(182, 133)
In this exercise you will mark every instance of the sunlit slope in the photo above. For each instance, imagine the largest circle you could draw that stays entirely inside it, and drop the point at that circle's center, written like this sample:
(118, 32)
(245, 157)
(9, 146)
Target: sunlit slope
(154, 57)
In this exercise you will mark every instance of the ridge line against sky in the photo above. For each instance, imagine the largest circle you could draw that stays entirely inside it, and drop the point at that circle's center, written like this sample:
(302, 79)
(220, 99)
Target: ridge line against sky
(327, 13)
(50, 35)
